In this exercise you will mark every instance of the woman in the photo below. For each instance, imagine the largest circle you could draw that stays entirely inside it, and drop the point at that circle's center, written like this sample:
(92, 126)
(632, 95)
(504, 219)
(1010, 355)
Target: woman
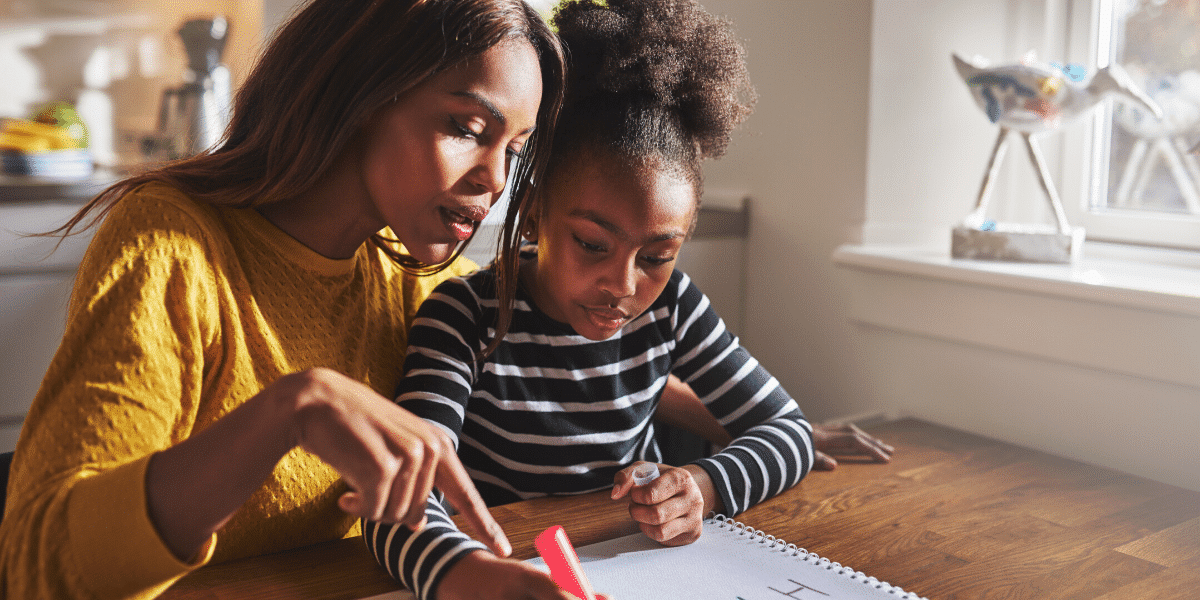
(238, 314)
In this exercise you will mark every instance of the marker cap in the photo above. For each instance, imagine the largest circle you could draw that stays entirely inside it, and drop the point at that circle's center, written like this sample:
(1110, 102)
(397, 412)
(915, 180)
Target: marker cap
(645, 473)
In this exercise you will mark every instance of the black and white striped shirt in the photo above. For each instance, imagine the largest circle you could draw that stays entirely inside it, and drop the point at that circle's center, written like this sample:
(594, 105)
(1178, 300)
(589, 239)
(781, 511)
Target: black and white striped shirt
(552, 412)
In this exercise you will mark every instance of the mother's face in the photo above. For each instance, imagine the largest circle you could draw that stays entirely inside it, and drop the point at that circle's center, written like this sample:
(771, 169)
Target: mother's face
(436, 161)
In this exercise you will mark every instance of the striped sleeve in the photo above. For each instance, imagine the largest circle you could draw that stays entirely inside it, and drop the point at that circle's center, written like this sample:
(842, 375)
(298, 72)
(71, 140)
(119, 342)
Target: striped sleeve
(439, 374)
(443, 347)
(419, 560)
(772, 446)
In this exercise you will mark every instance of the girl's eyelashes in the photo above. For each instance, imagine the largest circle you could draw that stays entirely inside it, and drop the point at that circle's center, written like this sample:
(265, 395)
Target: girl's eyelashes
(654, 261)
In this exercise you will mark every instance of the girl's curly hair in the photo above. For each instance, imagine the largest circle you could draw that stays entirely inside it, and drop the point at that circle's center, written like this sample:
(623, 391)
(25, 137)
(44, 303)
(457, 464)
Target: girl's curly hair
(647, 78)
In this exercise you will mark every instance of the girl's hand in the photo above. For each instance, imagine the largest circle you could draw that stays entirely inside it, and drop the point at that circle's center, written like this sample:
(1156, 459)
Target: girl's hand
(669, 510)
(846, 440)
(389, 457)
(484, 576)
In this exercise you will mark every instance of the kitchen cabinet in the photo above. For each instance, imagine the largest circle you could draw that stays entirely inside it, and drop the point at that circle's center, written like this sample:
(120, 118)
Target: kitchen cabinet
(31, 323)
(35, 285)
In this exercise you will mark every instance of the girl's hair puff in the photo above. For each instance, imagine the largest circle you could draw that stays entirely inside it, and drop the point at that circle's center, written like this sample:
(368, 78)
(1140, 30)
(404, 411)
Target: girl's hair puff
(650, 77)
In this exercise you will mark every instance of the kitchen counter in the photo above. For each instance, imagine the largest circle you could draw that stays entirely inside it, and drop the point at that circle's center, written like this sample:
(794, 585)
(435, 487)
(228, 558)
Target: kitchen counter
(18, 189)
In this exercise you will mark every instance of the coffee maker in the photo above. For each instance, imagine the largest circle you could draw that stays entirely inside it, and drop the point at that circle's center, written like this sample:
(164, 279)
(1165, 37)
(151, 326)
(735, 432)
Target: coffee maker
(192, 117)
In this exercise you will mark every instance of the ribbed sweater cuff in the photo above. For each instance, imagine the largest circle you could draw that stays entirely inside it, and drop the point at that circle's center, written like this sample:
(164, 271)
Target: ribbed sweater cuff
(115, 546)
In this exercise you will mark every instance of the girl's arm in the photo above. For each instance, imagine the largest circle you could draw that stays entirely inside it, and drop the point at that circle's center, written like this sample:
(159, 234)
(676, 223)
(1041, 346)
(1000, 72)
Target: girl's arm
(420, 558)
(439, 369)
(772, 446)
(680, 407)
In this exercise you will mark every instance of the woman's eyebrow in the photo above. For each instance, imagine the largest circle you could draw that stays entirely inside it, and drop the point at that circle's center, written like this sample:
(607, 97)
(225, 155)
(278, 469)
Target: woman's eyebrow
(485, 103)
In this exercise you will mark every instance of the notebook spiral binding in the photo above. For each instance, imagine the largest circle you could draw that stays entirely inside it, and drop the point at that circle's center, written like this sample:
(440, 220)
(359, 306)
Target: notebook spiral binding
(777, 545)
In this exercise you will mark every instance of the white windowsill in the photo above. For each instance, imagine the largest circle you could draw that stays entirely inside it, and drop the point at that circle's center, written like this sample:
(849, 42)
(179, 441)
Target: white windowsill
(1131, 277)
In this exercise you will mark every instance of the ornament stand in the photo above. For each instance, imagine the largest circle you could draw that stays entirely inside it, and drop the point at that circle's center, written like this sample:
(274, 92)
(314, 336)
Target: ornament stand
(981, 238)
(1143, 159)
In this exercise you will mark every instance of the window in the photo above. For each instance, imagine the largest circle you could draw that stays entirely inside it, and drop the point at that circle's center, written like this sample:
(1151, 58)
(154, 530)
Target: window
(1136, 177)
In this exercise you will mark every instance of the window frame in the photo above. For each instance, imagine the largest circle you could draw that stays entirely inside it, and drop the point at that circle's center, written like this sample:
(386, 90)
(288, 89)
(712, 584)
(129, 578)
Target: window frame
(1085, 178)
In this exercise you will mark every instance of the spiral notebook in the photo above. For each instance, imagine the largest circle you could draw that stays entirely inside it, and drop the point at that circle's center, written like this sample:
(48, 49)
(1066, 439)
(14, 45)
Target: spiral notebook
(730, 561)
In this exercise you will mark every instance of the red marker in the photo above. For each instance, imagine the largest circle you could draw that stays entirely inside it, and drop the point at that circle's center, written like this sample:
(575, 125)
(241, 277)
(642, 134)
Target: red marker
(554, 547)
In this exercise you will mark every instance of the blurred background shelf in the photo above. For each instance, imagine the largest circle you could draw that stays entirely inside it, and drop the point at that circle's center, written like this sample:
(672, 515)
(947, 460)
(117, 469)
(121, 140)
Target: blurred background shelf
(17, 189)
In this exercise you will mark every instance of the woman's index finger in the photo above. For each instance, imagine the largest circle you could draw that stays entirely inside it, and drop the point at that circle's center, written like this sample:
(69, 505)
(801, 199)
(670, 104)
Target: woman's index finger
(454, 482)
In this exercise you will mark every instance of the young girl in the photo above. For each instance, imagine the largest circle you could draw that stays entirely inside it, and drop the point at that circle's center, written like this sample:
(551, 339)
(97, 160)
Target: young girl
(559, 398)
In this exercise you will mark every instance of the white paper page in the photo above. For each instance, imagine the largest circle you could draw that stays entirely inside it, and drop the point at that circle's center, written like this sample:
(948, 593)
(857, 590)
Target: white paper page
(721, 565)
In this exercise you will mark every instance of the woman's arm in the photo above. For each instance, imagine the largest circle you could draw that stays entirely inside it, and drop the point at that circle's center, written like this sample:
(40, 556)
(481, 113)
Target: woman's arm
(390, 458)
(125, 466)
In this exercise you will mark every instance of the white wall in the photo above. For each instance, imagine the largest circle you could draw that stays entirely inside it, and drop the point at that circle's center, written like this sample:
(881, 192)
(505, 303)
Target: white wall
(802, 156)
(929, 141)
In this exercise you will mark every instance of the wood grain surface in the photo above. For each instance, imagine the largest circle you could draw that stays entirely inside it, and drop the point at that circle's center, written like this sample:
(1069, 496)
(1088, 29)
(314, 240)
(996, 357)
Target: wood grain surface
(953, 516)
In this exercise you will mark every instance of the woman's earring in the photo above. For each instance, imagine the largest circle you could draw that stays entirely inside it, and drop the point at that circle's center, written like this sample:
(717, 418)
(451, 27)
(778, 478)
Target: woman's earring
(530, 231)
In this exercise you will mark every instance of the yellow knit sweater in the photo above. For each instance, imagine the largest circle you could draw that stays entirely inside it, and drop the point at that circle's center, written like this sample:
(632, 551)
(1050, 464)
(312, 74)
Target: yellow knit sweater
(182, 311)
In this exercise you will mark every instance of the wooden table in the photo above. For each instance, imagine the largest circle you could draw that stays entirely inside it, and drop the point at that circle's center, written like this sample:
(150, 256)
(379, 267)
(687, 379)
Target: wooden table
(953, 516)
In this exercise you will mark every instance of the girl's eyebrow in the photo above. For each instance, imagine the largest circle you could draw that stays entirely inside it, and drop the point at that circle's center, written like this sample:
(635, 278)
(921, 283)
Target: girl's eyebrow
(621, 233)
(488, 106)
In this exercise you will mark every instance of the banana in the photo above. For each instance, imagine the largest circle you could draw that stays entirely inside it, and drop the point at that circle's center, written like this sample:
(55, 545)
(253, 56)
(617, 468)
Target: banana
(30, 136)
(24, 143)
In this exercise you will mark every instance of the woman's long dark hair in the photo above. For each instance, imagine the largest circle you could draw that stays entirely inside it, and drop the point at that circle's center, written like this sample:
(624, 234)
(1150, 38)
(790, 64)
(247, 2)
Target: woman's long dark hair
(330, 68)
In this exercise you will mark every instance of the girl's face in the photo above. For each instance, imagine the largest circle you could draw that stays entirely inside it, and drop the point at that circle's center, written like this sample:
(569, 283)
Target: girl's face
(607, 244)
(435, 162)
